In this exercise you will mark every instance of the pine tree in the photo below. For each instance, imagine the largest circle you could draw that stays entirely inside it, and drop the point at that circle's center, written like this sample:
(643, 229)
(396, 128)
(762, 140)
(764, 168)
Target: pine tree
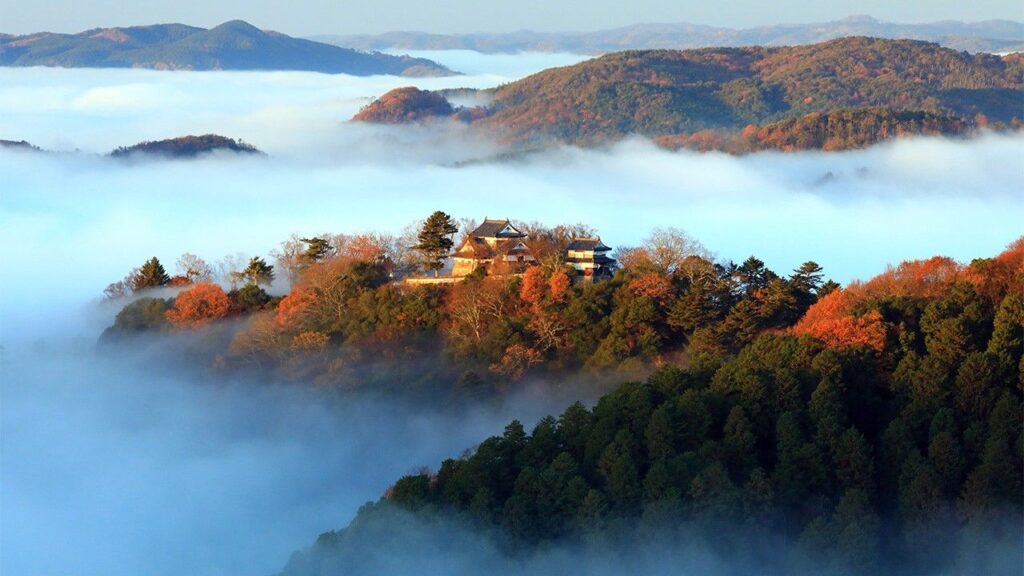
(317, 249)
(806, 282)
(753, 275)
(151, 275)
(258, 272)
(435, 239)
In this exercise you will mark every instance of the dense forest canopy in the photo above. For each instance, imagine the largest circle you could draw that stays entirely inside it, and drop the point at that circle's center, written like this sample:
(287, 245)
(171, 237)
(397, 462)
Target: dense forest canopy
(185, 147)
(872, 427)
(665, 93)
(881, 433)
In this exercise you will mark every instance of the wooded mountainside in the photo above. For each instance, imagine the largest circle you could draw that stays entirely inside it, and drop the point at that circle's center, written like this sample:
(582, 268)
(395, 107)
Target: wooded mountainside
(664, 93)
(872, 427)
(881, 433)
(234, 45)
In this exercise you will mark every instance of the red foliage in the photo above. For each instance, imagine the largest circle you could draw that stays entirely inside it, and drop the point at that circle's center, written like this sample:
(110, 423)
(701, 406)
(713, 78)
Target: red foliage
(405, 104)
(516, 361)
(558, 284)
(363, 248)
(534, 285)
(831, 320)
(293, 307)
(916, 278)
(178, 281)
(198, 306)
(994, 278)
(656, 286)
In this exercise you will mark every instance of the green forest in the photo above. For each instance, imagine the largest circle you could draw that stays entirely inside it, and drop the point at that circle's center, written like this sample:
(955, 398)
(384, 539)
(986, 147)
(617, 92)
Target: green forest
(871, 427)
(881, 434)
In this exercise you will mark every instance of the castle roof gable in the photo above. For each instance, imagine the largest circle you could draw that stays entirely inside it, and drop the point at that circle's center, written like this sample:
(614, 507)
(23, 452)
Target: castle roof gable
(496, 229)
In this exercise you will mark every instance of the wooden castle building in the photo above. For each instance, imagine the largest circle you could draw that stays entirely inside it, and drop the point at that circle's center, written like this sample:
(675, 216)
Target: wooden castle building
(589, 258)
(501, 248)
(495, 244)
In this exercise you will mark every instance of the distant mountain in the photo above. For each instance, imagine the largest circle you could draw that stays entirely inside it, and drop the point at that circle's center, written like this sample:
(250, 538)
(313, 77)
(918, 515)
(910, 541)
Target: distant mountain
(665, 92)
(988, 36)
(19, 145)
(186, 147)
(233, 45)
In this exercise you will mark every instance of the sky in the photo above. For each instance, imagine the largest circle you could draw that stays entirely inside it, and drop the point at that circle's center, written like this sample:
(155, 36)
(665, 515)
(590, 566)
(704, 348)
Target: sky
(307, 17)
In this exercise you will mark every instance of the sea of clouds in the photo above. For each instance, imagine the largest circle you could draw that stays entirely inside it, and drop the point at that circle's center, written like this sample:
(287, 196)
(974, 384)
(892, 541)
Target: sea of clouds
(108, 468)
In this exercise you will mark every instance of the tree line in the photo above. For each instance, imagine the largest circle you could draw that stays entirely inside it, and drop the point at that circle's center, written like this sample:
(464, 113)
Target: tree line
(895, 451)
(669, 301)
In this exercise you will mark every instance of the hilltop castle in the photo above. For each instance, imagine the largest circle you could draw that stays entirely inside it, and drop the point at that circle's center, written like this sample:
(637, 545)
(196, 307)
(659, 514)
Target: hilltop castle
(502, 249)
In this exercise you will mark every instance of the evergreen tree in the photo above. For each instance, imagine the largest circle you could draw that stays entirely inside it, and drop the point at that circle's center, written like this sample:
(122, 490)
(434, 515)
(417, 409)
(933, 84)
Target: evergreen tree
(251, 297)
(435, 239)
(738, 443)
(827, 288)
(258, 272)
(753, 275)
(807, 278)
(317, 249)
(806, 281)
(151, 275)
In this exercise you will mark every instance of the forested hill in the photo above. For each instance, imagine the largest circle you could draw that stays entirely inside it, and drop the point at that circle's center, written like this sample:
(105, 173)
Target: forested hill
(185, 147)
(234, 45)
(665, 92)
(880, 434)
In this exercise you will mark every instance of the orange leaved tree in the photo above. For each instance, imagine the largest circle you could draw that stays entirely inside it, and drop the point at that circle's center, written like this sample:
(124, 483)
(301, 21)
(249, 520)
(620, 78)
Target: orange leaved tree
(198, 306)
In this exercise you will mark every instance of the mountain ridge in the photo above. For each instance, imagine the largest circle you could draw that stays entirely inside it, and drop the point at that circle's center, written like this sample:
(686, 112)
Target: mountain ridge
(982, 36)
(655, 93)
(233, 45)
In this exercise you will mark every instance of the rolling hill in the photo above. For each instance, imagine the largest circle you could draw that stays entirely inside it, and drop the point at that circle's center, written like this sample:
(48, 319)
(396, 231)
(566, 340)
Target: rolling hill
(987, 36)
(186, 147)
(669, 92)
(234, 45)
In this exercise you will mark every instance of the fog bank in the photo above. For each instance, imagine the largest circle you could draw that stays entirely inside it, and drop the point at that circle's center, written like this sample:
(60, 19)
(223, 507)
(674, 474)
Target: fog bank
(113, 467)
(852, 212)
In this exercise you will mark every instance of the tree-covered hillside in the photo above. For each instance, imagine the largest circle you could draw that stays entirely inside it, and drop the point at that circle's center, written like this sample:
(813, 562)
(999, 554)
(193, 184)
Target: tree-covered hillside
(234, 45)
(185, 147)
(346, 325)
(667, 93)
(843, 129)
(881, 434)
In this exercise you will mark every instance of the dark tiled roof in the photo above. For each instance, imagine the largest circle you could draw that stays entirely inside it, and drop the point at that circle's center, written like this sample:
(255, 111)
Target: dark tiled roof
(492, 229)
(478, 248)
(597, 259)
(582, 244)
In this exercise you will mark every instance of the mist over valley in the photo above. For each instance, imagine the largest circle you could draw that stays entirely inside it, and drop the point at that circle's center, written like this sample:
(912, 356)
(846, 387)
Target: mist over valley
(158, 455)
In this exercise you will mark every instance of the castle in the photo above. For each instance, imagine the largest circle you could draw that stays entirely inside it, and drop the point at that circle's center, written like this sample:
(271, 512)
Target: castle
(502, 249)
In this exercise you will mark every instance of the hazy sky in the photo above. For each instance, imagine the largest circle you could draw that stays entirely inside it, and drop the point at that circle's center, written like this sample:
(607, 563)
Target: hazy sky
(303, 17)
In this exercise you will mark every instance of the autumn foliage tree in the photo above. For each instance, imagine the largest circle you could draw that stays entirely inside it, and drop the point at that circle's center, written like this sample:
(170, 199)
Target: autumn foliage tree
(833, 321)
(198, 306)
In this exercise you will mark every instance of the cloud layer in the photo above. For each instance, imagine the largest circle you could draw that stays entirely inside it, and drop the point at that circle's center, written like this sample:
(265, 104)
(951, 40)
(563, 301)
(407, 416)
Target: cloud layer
(112, 468)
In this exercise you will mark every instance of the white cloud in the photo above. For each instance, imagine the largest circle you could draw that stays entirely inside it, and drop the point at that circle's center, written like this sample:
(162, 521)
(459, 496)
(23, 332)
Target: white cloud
(70, 224)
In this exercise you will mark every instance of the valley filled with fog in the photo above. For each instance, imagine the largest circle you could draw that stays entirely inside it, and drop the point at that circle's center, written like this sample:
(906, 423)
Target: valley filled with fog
(122, 465)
